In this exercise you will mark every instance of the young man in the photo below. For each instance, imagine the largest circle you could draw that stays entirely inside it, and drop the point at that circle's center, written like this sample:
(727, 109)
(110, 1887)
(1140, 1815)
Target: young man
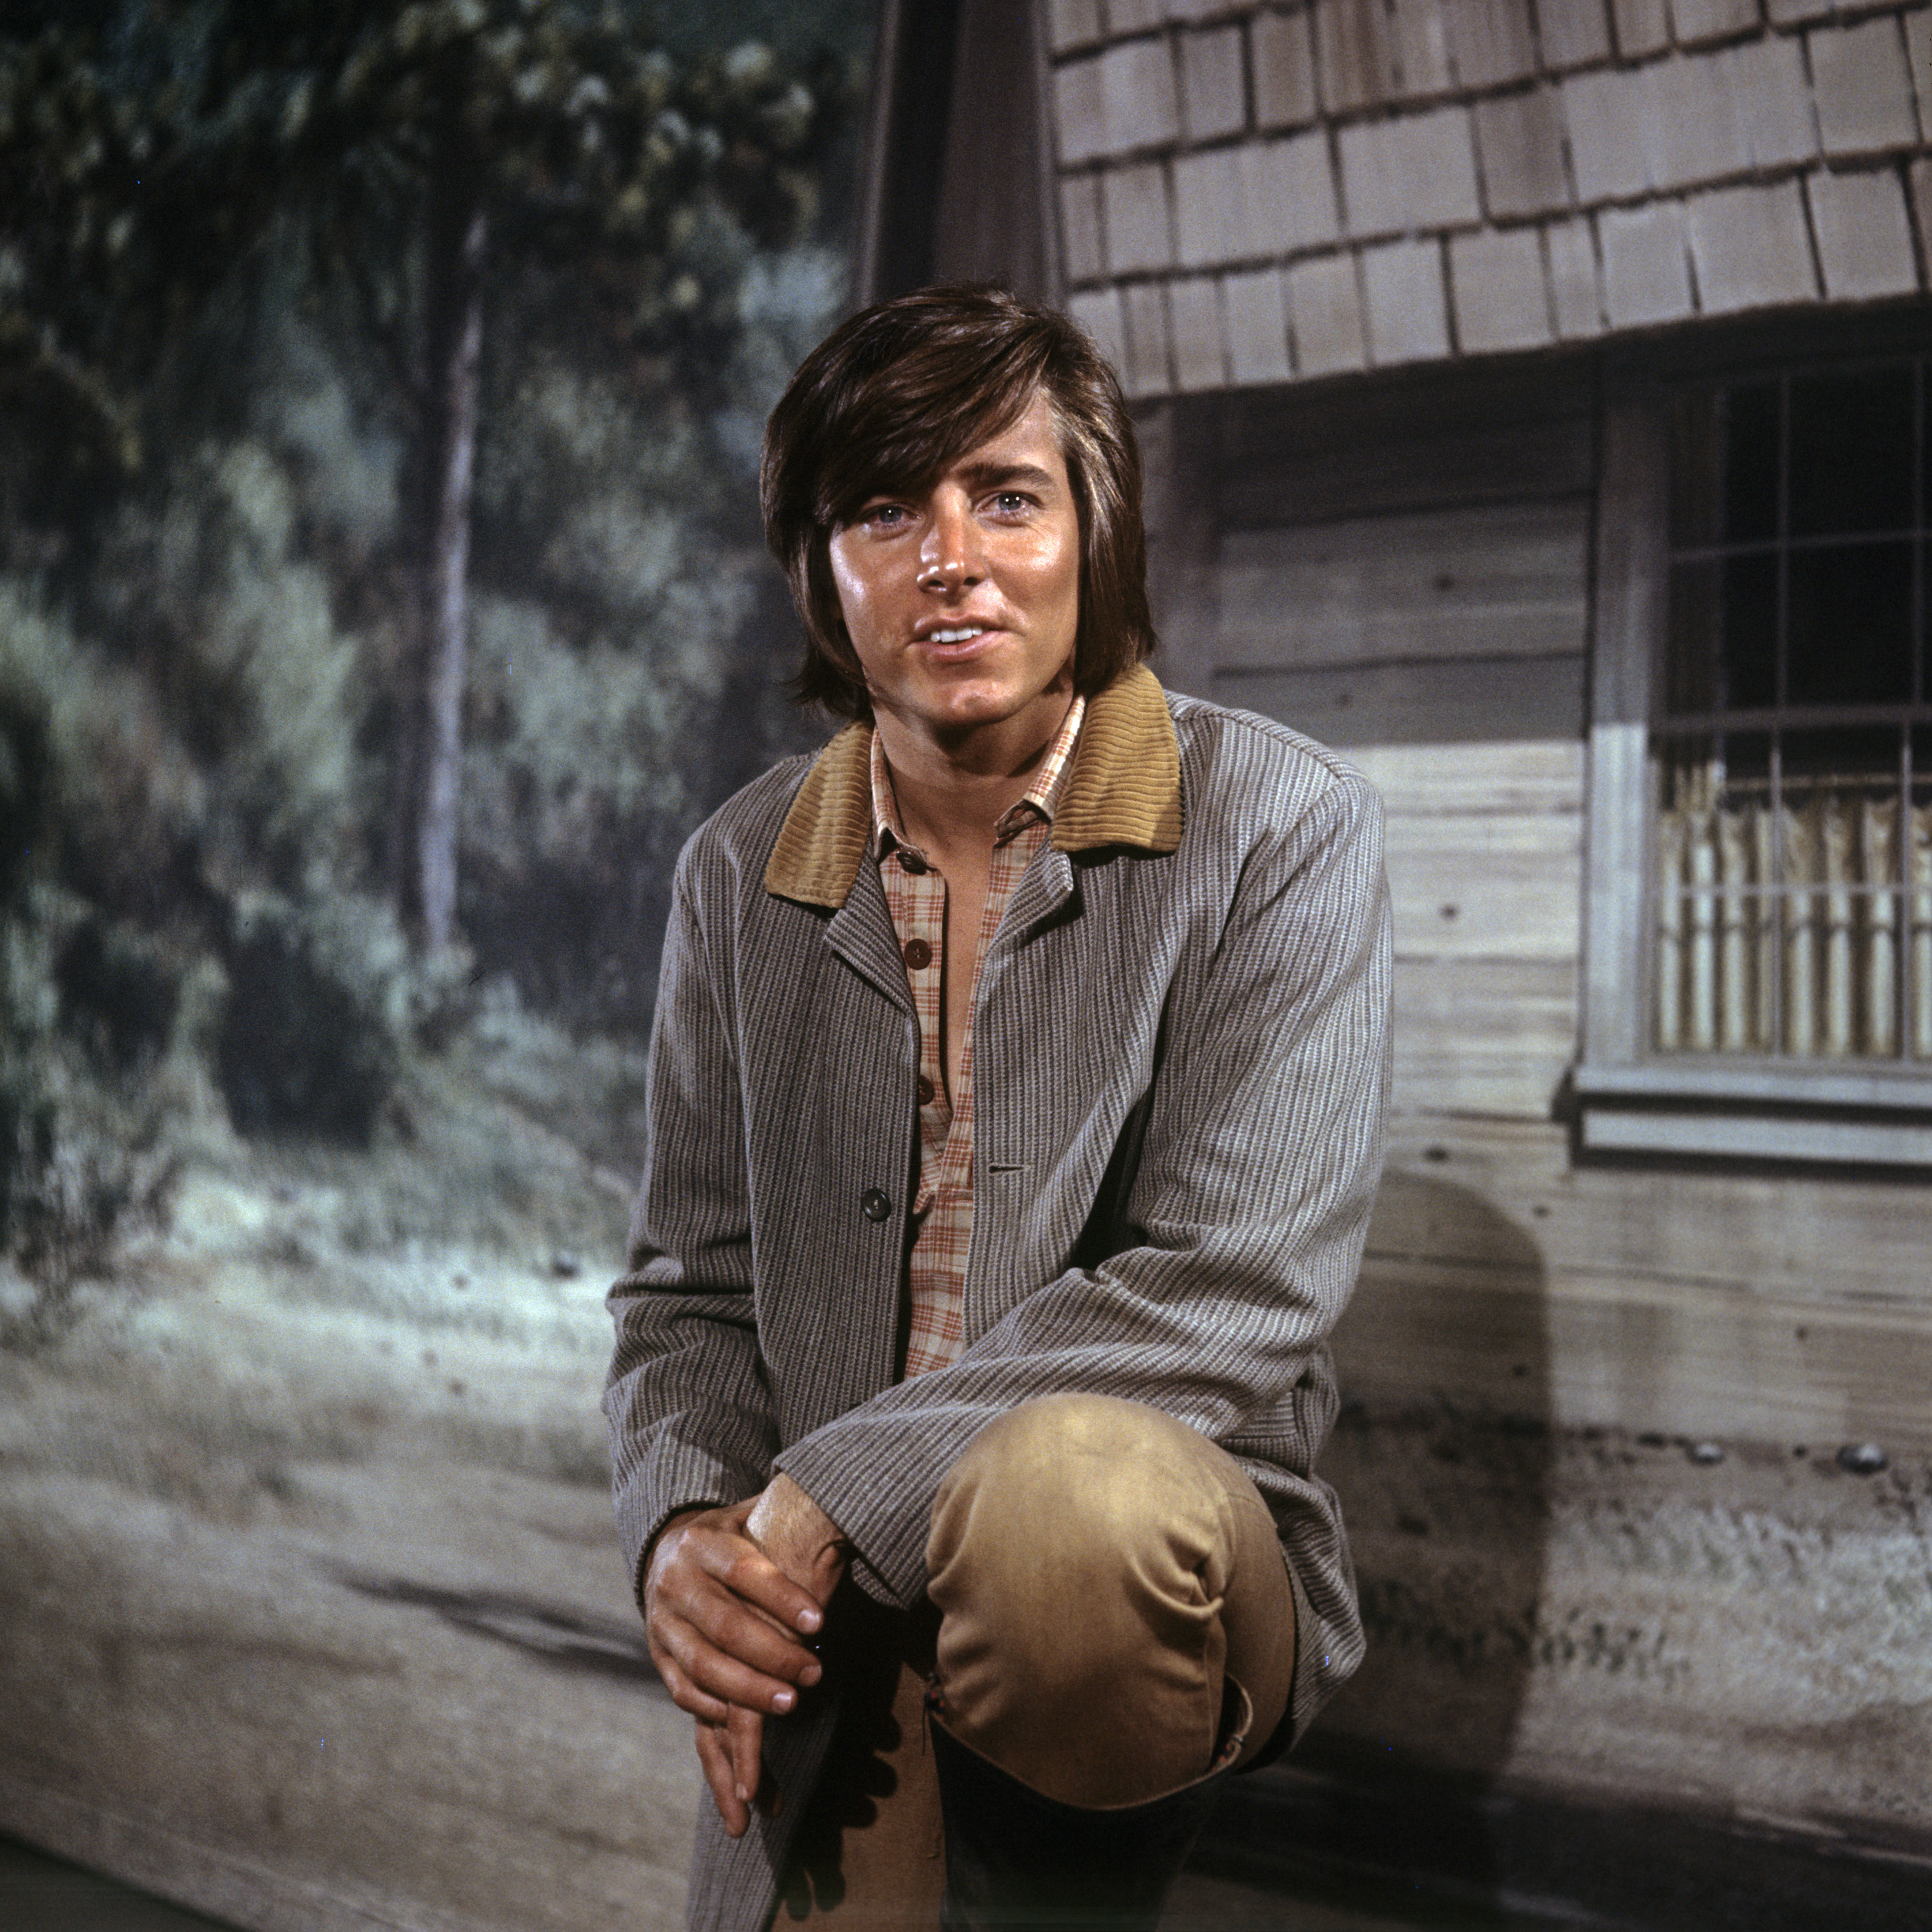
(1016, 1092)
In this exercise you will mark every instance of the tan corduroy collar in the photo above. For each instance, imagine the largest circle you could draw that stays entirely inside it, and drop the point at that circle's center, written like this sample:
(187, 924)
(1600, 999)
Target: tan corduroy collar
(1124, 789)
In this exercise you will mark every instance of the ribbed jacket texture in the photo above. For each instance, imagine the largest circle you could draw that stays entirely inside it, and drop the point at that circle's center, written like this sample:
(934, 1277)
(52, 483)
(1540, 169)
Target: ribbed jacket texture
(1181, 1055)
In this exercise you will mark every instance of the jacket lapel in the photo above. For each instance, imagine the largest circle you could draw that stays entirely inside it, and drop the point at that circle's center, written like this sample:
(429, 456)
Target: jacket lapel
(861, 933)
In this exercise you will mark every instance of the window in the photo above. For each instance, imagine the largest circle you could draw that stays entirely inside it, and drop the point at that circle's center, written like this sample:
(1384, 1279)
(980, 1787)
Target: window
(1760, 927)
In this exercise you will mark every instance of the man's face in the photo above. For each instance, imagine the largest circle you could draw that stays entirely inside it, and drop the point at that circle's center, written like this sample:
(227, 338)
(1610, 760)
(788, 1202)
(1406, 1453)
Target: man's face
(962, 600)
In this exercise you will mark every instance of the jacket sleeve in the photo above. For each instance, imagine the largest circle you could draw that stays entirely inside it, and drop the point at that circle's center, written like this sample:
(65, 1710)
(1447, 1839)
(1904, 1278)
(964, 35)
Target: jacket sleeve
(689, 1410)
(1240, 1238)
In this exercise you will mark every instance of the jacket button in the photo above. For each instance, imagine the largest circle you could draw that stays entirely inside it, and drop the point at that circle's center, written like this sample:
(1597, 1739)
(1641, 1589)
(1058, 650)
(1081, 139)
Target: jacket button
(877, 1203)
(925, 1091)
(918, 955)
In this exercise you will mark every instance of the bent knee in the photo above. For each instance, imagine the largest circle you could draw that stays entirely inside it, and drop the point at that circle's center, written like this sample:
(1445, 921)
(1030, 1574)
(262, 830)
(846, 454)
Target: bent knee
(1066, 1493)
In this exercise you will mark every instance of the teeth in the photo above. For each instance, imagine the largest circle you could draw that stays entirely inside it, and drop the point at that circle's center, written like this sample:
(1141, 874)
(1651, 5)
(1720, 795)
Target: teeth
(956, 637)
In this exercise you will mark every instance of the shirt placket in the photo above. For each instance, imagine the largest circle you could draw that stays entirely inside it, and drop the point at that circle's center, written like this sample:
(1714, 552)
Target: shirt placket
(923, 945)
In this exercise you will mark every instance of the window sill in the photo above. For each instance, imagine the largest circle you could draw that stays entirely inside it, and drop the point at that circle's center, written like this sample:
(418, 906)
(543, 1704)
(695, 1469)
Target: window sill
(1830, 1113)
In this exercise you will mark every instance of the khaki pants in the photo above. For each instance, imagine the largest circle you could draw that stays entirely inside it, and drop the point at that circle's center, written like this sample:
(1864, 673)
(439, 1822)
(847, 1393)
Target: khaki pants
(1098, 1572)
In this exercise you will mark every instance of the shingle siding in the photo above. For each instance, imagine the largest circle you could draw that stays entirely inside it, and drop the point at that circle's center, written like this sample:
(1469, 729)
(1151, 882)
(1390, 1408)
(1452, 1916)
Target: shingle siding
(1642, 27)
(1213, 87)
(1407, 319)
(1575, 295)
(1255, 191)
(1749, 248)
(1864, 235)
(1324, 306)
(1194, 308)
(1417, 171)
(1133, 203)
(1501, 298)
(1520, 142)
(1646, 265)
(1256, 309)
(1576, 33)
(1862, 87)
(1282, 48)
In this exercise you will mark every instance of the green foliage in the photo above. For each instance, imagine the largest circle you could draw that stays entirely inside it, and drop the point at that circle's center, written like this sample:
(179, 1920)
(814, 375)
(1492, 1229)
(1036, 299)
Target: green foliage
(138, 165)
(326, 1004)
(206, 581)
(107, 798)
(211, 437)
(85, 1008)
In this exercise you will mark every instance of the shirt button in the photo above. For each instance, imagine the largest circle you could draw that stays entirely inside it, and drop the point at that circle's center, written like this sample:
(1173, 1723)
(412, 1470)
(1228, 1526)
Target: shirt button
(877, 1203)
(925, 1091)
(918, 955)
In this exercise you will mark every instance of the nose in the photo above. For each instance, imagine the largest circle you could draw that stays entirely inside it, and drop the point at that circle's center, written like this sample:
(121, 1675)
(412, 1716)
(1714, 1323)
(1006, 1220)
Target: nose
(949, 556)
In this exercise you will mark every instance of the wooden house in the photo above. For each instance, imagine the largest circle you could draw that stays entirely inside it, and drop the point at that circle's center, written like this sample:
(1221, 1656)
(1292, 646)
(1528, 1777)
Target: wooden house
(1537, 404)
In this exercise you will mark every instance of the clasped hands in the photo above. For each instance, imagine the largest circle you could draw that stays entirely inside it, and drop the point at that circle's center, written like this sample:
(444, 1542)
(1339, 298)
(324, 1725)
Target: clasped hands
(733, 1597)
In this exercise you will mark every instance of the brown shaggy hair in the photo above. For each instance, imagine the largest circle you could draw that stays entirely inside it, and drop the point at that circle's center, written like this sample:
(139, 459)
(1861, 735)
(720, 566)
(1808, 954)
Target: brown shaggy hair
(892, 397)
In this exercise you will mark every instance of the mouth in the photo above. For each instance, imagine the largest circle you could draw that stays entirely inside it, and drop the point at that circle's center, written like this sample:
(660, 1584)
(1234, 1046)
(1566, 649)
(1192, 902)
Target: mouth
(955, 641)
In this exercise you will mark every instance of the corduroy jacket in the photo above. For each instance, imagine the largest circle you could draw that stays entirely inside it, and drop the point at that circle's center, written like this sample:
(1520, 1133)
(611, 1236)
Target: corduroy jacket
(1181, 1066)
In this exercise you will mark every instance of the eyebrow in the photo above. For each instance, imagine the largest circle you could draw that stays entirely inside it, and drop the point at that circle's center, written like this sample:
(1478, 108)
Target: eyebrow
(992, 475)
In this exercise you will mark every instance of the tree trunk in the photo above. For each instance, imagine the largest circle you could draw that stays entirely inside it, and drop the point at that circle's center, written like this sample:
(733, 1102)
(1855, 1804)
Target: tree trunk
(430, 757)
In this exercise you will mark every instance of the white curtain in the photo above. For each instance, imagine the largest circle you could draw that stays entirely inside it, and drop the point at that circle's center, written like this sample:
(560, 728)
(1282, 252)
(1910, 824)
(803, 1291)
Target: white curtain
(1805, 929)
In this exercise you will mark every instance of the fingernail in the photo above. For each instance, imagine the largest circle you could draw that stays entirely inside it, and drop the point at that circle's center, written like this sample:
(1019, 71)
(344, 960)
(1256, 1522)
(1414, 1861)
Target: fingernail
(810, 1674)
(783, 1701)
(809, 1620)
(744, 1796)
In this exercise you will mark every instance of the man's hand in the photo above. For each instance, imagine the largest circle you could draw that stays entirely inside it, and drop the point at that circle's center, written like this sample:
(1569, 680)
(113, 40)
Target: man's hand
(724, 1591)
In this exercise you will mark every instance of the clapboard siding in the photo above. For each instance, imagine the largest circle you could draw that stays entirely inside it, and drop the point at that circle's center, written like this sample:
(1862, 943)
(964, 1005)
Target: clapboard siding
(1492, 888)
(1483, 1037)
(1582, 1348)
(1555, 1588)
(1430, 701)
(1412, 440)
(1501, 580)
(1495, 781)
(1819, 1237)
(1467, 622)
(1484, 866)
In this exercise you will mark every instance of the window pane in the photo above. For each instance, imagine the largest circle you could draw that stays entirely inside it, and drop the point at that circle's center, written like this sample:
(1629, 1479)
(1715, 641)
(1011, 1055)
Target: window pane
(1838, 756)
(1750, 464)
(1691, 678)
(1749, 633)
(1848, 624)
(1696, 470)
(1924, 447)
(1851, 452)
(1745, 758)
(1689, 764)
(1923, 693)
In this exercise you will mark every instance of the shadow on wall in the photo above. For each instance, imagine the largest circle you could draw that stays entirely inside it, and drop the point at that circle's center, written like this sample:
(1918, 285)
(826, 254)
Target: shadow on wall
(1442, 1458)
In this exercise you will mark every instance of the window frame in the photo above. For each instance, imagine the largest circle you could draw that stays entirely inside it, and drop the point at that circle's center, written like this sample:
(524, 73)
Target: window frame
(1633, 1099)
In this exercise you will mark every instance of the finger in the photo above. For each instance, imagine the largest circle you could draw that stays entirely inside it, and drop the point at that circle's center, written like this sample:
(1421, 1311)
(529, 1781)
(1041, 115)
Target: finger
(749, 1574)
(714, 1672)
(684, 1693)
(711, 1581)
(714, 1756)
(745, 1733)
(718, 1640)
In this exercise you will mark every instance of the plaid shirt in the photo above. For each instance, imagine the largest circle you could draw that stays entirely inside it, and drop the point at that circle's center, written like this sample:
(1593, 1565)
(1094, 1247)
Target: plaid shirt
(915, 895)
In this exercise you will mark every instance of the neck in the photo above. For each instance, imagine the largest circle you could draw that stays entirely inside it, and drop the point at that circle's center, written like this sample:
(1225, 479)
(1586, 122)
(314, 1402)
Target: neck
(953, 793)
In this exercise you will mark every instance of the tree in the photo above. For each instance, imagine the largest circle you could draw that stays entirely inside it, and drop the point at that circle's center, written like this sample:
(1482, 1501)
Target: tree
(416, 149)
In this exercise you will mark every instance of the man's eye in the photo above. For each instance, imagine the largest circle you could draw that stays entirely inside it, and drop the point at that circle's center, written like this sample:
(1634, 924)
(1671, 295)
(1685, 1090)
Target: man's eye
(890, 514)
(1012, 503)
